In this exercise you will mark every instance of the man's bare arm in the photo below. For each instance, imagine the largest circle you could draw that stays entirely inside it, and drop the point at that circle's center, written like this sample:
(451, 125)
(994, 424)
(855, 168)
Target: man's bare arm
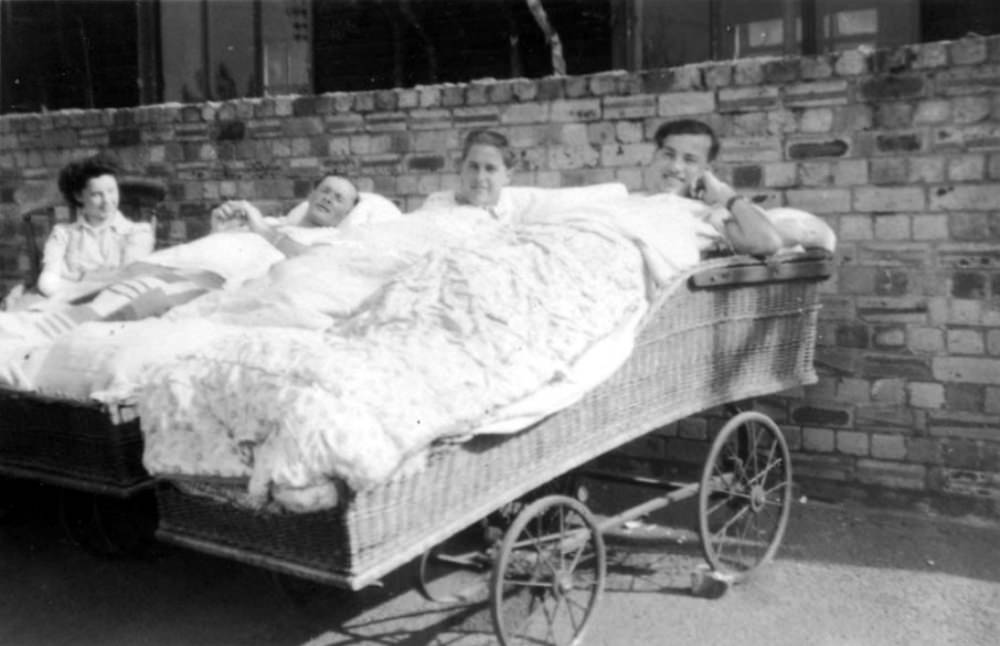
(748, 229)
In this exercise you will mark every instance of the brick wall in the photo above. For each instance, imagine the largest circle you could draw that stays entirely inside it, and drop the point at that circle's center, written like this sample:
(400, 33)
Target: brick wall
(898, 150)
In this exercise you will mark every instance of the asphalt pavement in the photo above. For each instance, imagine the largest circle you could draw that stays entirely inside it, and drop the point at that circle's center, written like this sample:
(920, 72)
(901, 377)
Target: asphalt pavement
(846, 575)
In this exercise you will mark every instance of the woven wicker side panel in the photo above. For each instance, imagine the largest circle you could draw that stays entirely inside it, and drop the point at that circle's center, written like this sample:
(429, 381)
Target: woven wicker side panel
(701, 349)
(68, 439)
(314, 540)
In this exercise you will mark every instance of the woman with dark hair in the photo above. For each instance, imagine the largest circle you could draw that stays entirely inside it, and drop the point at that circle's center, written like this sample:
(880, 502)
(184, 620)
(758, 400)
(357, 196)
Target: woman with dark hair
(485, 169)
(90, 250)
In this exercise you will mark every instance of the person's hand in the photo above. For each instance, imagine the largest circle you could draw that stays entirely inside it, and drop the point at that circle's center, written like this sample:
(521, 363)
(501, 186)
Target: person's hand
(716, 192)
(228, 217)
(253, 217)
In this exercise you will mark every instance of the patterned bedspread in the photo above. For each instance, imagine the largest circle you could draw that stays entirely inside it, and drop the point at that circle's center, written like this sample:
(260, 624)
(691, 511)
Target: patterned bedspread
(449, 335)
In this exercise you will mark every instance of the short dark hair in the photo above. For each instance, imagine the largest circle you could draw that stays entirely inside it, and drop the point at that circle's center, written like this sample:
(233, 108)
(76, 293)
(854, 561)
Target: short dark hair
(484, 137)
(74, 176)
(688, 127)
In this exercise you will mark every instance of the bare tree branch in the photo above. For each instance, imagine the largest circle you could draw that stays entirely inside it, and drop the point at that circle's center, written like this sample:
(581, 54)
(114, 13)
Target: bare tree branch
(551, 37)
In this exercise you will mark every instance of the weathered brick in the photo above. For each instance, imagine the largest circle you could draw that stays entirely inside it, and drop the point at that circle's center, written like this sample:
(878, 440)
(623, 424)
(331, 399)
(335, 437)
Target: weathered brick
(852, 443)
(961, 424)
(970, 109)
(958, 198)
(879, 365)
(820, 440)
(932, 111)
(815, 173)
(816, 120)
(854, 390)
(576, 110)
(849, 172)
(881, 199)
(968, 80)
(822, 93)
(991, 403)
(830, 200)
(626, 154)
(780, 175)
(826, 414)
(966, 168)
(930, 227)
(981, 136)
(851, 63)
(747, 176)
(718, 74)
(750, 149)
(567, 157)
(964, 397)
(630, 107)
(888, 447)
(888, 338)
(675, 104)
(890, 170)
(749, 124)
(739, 99)
(856, 227)
(926, 394)
(813, 149)
(968, 285)
(893, 227)
(892, 87)
(892, 474)
(894, 115)
(968, 51)
(906, 142)
(994, 166)
(525, 113)
(931, 55)
(967, 341)
(976, 370)
(816, 67)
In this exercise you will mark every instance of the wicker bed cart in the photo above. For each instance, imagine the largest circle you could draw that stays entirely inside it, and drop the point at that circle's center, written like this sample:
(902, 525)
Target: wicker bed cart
(730, 330)
(92, 454)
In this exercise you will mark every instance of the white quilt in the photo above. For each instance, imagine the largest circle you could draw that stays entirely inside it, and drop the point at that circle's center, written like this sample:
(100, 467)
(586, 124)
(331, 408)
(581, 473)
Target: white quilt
(450, 327)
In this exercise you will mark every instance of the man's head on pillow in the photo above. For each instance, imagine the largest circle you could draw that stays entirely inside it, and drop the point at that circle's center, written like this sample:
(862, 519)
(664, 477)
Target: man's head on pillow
(330, 202)
(685, 150)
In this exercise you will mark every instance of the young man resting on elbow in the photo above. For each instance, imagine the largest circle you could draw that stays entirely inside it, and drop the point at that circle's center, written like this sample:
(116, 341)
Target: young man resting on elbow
(681, 166)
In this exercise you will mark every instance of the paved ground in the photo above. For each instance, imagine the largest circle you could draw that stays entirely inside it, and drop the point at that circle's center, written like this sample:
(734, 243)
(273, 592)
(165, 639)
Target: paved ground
(845, 576)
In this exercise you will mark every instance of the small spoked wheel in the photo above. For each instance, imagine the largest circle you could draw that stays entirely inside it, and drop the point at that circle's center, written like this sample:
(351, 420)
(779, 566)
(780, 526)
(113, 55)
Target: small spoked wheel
(458, 570)
(745, 495)
(549, 574)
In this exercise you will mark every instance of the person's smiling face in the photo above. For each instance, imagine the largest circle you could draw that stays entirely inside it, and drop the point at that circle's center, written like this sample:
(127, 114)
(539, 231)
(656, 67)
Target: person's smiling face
(483, 174)
(330, 202)
(99, 199)
(678, 164)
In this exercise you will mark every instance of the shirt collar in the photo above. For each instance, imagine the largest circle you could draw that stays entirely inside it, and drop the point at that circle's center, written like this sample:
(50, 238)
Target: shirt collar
(117, 223)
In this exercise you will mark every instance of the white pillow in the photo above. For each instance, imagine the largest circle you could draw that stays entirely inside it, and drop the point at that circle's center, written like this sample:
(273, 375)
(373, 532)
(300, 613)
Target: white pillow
(798, 227)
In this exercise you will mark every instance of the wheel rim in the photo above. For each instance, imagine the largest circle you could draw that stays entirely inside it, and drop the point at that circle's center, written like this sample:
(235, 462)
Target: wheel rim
(549, 574)
(745, 495)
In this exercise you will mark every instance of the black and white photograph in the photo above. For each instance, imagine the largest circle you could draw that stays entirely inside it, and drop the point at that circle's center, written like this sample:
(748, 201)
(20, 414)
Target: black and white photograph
(499, 322)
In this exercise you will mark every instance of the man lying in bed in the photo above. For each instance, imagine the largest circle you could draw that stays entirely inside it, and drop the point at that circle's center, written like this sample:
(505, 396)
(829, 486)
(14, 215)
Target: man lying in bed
(682, 166)
(334, 203)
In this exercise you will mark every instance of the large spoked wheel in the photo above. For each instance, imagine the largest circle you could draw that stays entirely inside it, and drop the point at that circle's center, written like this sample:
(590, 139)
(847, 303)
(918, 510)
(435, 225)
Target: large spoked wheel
(745, 495)
(549, 574)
